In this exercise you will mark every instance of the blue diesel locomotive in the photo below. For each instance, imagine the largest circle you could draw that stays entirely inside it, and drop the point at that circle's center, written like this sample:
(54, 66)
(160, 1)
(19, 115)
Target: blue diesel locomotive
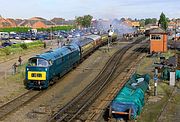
(42, 69)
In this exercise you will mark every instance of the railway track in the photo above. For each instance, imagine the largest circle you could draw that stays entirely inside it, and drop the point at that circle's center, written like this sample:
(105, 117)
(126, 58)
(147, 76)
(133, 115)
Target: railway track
(126, 72)
(71, 110)
(17, 102)
(159, 117)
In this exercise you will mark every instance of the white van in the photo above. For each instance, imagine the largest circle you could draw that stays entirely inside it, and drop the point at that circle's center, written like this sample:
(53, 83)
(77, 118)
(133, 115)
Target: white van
(4, 35)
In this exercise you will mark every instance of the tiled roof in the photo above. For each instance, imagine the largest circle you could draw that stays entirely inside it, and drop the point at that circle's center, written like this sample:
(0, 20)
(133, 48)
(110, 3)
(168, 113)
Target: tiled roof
(27, 22)
(12, 22)
(37, 18)
(4, 23)
(58, 21)
(46, 22)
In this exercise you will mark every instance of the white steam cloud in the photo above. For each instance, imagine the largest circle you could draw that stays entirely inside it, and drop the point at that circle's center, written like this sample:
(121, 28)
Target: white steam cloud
(118, 26)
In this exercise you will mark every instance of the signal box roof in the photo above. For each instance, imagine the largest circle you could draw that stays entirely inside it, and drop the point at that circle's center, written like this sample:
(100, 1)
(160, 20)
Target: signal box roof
(157, 31)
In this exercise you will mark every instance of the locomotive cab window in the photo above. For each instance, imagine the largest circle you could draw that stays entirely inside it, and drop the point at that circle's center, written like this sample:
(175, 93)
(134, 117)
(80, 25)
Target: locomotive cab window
(38, 62)
(42, 62)
(32, 62)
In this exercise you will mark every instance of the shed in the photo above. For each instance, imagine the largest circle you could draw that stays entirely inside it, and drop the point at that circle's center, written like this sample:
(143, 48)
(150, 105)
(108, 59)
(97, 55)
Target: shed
(158, 40)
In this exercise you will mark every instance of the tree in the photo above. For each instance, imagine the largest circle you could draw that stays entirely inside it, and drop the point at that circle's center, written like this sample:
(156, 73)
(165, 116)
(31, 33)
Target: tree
(150, 21)
(142, 22)
(84, 21)
(163, 21)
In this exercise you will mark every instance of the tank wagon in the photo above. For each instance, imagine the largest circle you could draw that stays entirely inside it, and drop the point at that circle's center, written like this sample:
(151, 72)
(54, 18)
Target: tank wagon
(42, 69)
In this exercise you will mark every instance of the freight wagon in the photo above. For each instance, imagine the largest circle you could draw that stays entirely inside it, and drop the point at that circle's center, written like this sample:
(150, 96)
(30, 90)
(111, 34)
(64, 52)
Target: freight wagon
(130, 99)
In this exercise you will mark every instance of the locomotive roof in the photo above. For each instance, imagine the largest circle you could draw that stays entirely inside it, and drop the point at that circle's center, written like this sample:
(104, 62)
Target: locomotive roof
(58, 52)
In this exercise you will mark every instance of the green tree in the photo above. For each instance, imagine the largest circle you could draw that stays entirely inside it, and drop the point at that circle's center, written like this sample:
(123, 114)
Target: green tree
(84, 21)
(147, 21)
(163, 21)
(142, 22)
(150, 21)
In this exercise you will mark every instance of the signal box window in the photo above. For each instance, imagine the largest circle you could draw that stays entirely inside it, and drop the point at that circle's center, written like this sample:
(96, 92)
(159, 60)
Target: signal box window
(155, 37)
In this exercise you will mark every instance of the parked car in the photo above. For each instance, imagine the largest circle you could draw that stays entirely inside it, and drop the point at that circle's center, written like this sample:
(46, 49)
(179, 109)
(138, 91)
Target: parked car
(4, 36)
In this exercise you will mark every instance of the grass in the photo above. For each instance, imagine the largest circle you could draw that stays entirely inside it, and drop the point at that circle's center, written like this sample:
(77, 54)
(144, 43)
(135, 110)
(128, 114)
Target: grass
(13, 85)
(152, 109)
(16, 49)
(19, 76)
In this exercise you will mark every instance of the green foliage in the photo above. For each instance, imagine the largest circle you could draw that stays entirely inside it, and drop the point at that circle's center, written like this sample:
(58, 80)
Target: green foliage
(163, 21)
(15, 29)
(84, 21)
(66, 28)
(6, 51)
(23, 46)
(150, 21)
(142, 22)
(17, 48)
(25, 29)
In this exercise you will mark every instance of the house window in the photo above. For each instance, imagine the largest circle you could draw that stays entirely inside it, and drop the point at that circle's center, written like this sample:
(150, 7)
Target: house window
(155, 37)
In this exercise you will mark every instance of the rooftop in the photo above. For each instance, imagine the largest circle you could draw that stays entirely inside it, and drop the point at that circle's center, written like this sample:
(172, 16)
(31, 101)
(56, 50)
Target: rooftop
(157, 31)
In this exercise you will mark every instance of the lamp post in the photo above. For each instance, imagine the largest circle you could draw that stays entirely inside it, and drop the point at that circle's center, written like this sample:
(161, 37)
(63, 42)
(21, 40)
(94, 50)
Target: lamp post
(110, 33)
(175, 37)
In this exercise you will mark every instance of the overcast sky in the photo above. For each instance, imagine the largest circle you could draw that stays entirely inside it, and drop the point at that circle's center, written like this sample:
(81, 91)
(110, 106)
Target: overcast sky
(106, 9)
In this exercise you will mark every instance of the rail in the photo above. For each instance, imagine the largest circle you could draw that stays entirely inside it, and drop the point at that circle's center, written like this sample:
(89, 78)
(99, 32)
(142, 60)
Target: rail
(71, 110)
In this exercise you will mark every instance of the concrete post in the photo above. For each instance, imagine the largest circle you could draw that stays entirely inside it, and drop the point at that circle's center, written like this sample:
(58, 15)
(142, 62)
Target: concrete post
(172, 78)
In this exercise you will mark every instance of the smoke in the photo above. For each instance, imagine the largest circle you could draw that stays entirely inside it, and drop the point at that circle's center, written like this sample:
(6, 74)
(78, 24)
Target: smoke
(118, 26)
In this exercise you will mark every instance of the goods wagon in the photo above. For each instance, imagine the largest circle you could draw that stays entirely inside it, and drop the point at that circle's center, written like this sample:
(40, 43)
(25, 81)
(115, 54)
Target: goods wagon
(130, 100)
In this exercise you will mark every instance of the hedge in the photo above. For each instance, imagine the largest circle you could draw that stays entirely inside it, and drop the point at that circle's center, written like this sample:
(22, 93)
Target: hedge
(16, 48)
(25, 29)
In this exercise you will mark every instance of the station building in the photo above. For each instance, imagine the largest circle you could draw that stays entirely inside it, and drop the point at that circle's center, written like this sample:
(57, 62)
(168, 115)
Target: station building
(158, 40)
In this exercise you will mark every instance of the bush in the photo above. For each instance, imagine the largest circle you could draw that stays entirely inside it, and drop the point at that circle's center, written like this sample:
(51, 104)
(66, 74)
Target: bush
(15, 29)
(23, 46)
(66, 28)
(16, 46)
